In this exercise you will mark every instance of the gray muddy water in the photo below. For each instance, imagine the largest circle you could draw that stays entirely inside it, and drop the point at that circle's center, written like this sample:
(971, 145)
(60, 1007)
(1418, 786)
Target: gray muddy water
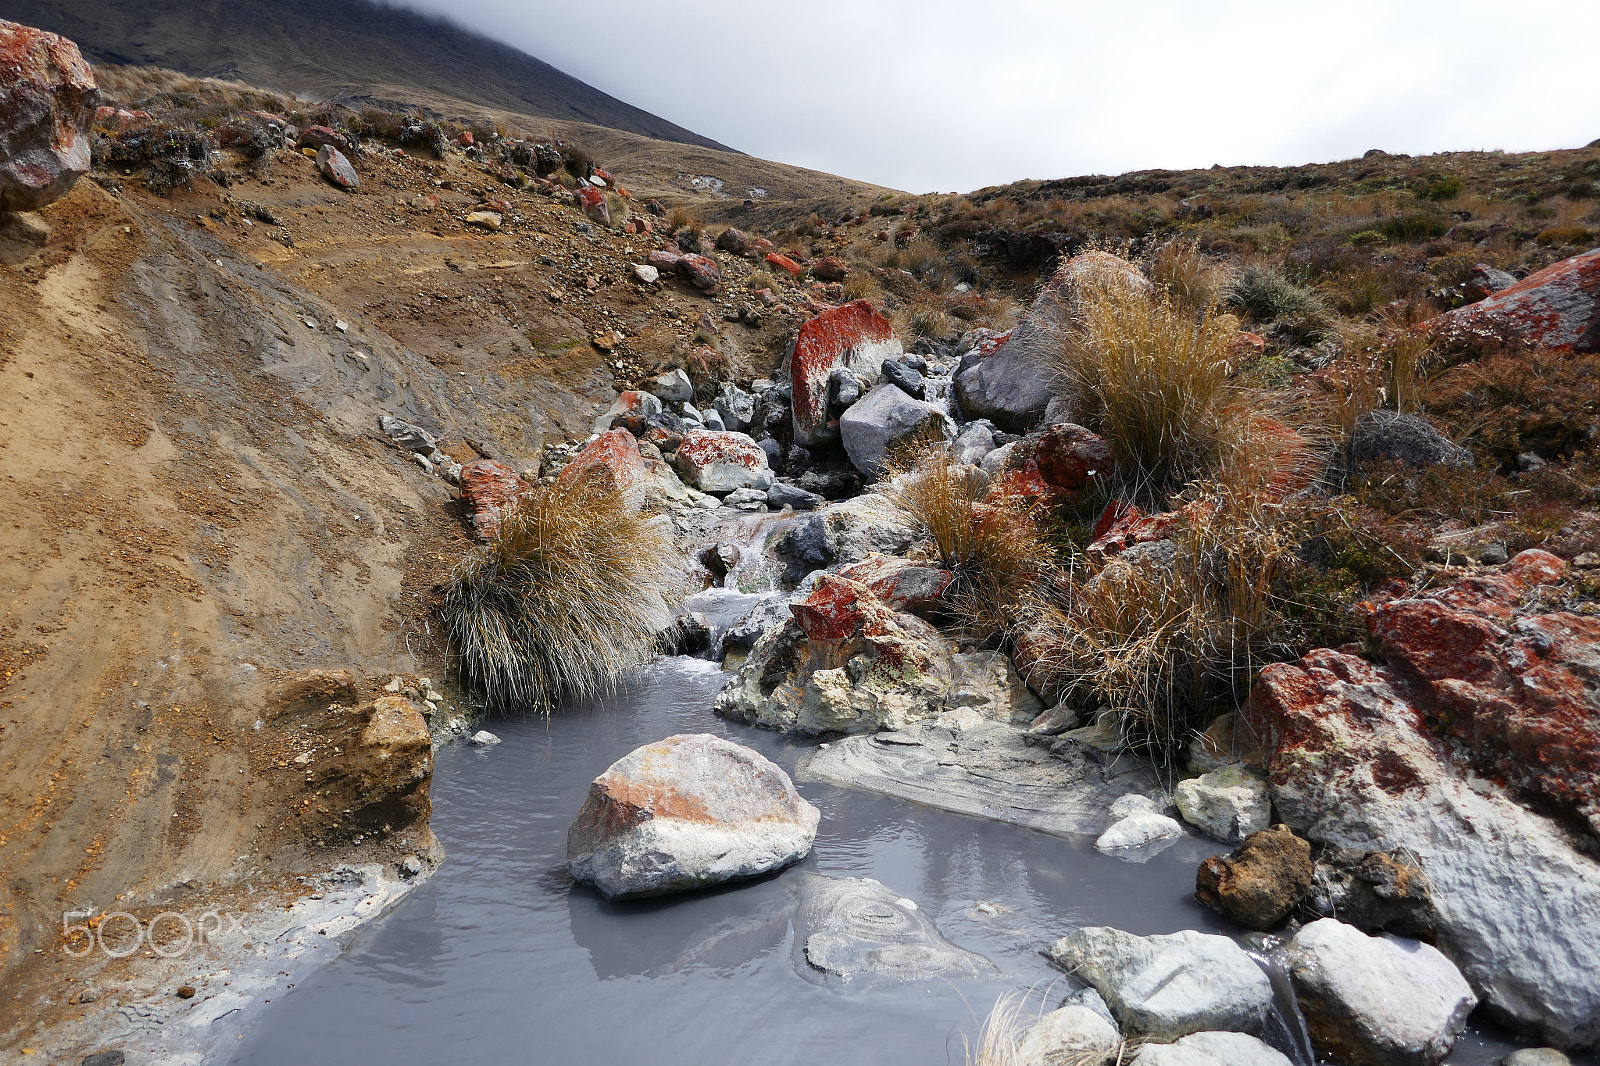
(501, 958)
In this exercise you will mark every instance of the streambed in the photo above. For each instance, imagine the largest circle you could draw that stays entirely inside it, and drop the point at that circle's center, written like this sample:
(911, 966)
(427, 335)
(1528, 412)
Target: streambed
(500, 958)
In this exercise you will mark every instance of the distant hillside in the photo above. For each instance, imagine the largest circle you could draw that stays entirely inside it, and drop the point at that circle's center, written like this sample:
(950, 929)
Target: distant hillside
(344, 49)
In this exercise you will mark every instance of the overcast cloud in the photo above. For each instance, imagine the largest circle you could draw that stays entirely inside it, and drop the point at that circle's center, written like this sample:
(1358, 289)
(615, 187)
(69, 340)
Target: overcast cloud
(936, 95)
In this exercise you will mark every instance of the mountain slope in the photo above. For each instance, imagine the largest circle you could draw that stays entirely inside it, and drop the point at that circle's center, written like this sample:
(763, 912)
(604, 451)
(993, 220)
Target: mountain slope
(345, 49)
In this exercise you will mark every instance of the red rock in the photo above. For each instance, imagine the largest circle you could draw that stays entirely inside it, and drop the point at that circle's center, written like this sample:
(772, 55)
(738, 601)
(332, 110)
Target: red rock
(733, 240)
(662, 259)
(1246, 341)
(1557, 308)
(902, 584)
(842, 609)
(466, 140)
(783, 262)
(1019, 482)
(489, 488)
(614, 453)
(983, 342)
(317, 136)
(831, 268)
(1288, 462)
(1055, 465)
(719, 461)
(593, 203)
(336, 168)
(701, 271)
(48, 102)
(760, 246)
(605, 176)
(853, 336)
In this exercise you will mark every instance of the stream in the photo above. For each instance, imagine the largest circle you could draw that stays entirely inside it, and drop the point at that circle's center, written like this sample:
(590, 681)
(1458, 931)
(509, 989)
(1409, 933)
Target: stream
(501, 958)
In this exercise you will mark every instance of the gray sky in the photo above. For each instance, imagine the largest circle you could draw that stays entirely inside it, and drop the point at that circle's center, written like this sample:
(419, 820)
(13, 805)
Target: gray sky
(936, 95)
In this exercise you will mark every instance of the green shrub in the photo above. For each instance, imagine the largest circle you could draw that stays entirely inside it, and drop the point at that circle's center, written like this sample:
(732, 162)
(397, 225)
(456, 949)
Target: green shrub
(1266, 294)
(1413, 227)
(564, 601)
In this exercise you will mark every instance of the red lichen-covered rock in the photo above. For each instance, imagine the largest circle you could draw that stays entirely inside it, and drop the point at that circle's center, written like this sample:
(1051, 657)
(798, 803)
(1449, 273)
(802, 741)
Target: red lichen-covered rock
(1055, 465)
(662, 259)
(616, 454)
(489, 489)
(1286, 462)
(1122, 525)
(633, 404)
(48, 100)
(831, 268)
(783, 262)
(719, 462)
(701, 271)
(983, 342)
(593, 203)
(902, 584)
(1557, 308)
(687, 812)
(336, 168)
(853, 336)
(466, 140)
(317, 136)
(1480, 697)
(846, 663)
(734, 240)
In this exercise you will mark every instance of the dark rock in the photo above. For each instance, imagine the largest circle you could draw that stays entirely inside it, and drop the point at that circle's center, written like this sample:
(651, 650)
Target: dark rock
(807, 547)
(782, 494)
(1264, 879)
(1375, 891)
(908, 380)
(1381, 435)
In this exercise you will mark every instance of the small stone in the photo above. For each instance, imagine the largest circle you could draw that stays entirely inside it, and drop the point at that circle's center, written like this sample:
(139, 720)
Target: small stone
(1227, 804)
(186, 992)
(1261, 882)
(489, 220)
(1587, 561)
(484, 739)
(1138, 829)
(1494, 555)
(646, 273)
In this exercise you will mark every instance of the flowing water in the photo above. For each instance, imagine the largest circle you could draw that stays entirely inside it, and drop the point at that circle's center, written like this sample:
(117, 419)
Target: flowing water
(501, 959)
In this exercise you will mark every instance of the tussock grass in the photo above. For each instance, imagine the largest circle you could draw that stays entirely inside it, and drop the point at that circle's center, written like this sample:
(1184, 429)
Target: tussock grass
(1001, 1034)
(1153, 378)
(1266, 294)
(1193, 281)
(996, 550)
(564, 602)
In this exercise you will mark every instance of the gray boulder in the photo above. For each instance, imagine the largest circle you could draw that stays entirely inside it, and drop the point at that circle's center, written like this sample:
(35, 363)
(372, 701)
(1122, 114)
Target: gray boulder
(1389, 435)
(905, 378)
(850, 927)
(1011, 388)
(1063, 1035)
(688, 812)
(1164, 987)
(883, 418)
(845, 533)
(1376, 1000)
(1226, 804)
(1211, 1049)
(737, 407)
(782, 494)
(672, 387)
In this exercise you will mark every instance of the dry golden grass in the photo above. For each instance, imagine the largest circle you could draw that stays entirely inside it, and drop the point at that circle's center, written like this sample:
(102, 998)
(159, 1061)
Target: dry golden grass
(565, 601)
(1193, 281)
(1154, 379)
(996, 551)
(1000, 1039)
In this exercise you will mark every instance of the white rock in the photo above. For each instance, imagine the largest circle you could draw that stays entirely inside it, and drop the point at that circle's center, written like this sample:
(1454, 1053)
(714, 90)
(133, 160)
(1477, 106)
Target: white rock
(687, 812)
(1164, 987)
(987, 682)
(483, 738)
(1377, 1000)
(1227, 804)
(1211, 1049)
(646, 273)
(1137, 829)
(1063, 1034)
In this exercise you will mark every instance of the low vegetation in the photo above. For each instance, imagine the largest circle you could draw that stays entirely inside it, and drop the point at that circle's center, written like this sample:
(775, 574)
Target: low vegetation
(565, 601)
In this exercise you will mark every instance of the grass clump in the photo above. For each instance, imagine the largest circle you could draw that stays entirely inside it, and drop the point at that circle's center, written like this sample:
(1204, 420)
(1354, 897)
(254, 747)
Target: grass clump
(994, 547)
(1266, 294)
(564, 601)
(1153, 378)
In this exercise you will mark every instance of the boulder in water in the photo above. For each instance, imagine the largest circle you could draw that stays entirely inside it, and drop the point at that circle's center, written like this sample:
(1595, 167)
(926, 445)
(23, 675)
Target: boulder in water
(849, 927)
(1211, 1049)
(687, 812)
(1261, 882)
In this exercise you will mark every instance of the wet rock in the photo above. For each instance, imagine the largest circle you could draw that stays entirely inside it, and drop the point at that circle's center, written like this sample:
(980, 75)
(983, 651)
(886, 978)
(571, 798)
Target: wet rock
(687, 812)
(1011, 385)
(1390, 435)
(1376, 1000)
(756, 623)
(336, 168)
(366, 767)
(1353, 764)
(782, 494)
(689, 634)
(716, 462)
(972, 765)
(48, 99)
(483, 739)
(1373, 891)
(904, 378)
(855, 337)
(847, 663)
(1137, 830)
(672, 387)
(883, 418)
(1261, 883)
(488, 489)
(1064, 1035)
(1211, 1049)
(1556, 308)
(1227, 804)
(1165, 987)
(902, 584)
(852, 927)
